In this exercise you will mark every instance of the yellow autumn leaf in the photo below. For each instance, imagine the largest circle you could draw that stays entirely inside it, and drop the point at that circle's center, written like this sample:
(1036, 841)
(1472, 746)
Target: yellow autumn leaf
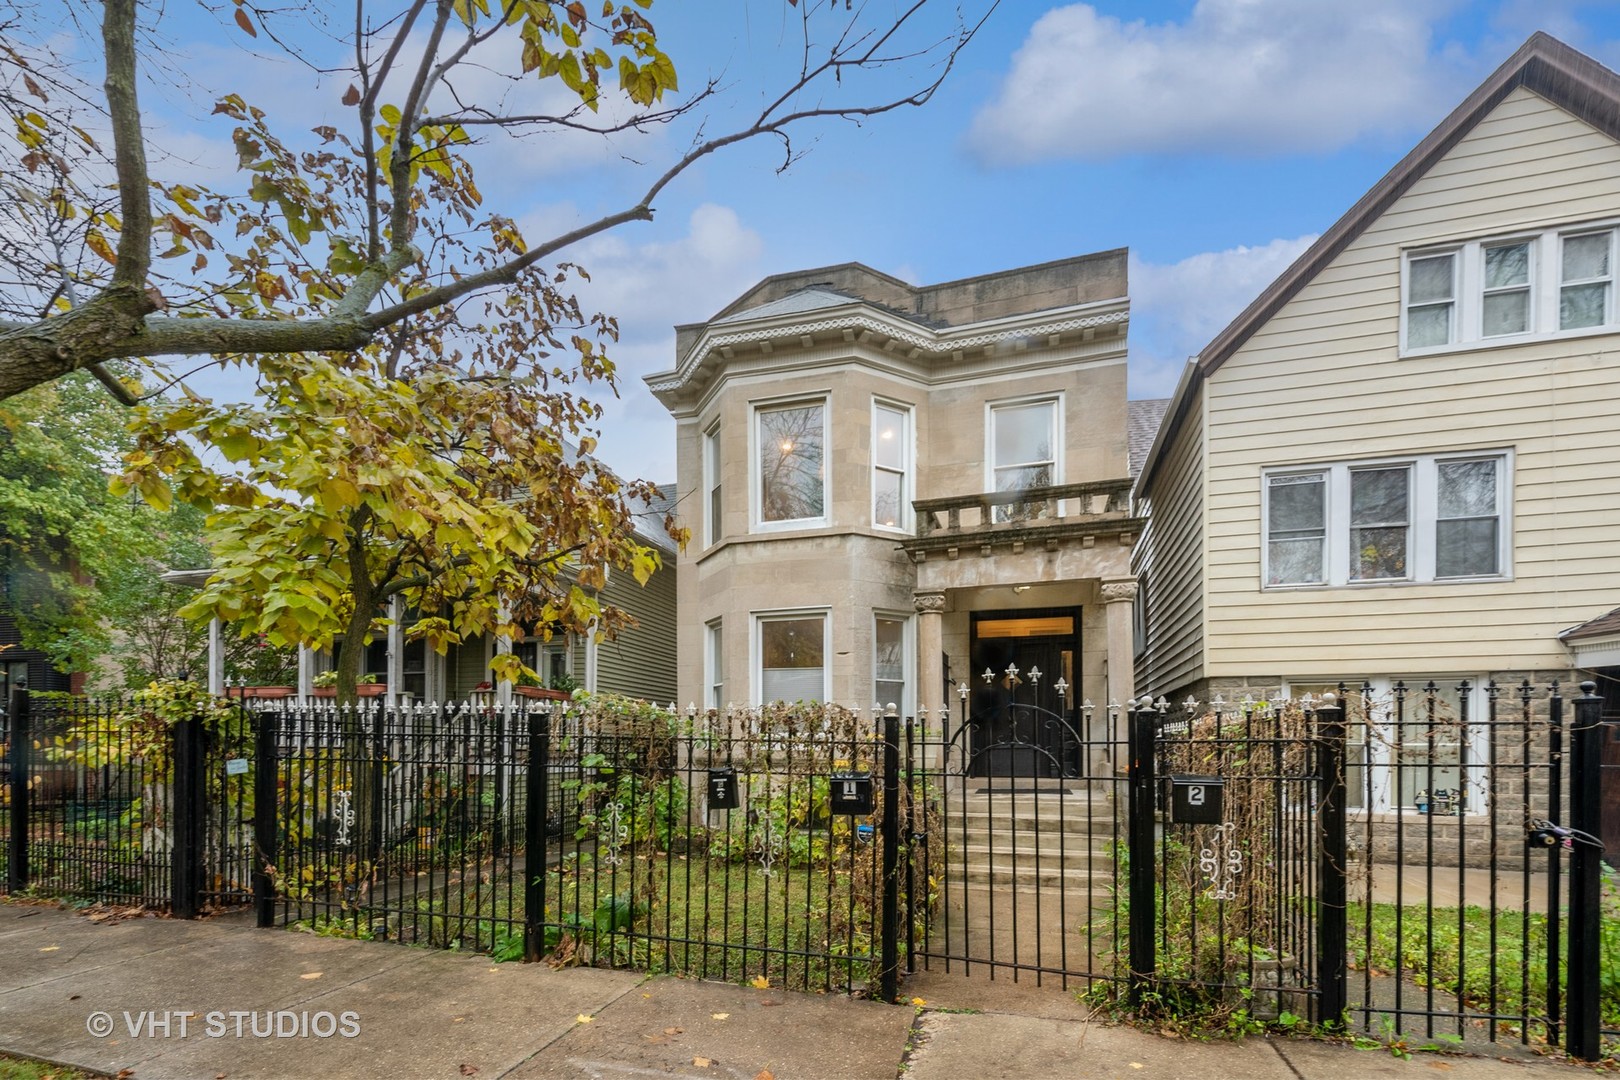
(760, 982)
(583, 1019)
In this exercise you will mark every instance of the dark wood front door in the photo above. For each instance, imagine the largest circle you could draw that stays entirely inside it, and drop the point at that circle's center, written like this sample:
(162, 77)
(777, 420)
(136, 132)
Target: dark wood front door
(1019, 724)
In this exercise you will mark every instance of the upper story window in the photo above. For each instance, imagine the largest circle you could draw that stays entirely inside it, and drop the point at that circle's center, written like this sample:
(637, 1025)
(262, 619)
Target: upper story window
(1023, 450)
(1421, 519)
(713, 524)
(1509, 289)
(791, 462)
(891, 466)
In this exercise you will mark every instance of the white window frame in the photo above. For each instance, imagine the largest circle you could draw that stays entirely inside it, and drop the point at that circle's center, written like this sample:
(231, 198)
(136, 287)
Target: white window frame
(1380, 751)
(908, 660)
(756, 647)
(992, 408)
(713, 487)
(907, 471)
(756, 481)
(714, 663)
(1422, 517)
(1546, 287)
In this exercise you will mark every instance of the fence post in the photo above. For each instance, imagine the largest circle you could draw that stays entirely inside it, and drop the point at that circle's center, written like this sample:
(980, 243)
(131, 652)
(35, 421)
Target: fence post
(536, 844)
(266, 793)
(1140, 832)
(1555, 860)
(890, 984)
(190, 784)
(1332, 925)
(1585, 876)
(22, 765)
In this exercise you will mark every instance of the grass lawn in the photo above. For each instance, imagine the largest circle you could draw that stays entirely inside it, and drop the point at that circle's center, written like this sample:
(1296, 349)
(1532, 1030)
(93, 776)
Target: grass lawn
(16, 1068)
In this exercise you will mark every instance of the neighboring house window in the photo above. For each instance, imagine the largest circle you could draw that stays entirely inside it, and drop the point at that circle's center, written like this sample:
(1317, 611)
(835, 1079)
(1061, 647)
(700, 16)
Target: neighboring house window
(1586, 280)
(792, 465)
(891, 466)
(1510, 289)
(792, 651)
(1421, 519)
(551, 660)
(1415, 749)
(1431, 293)
(714, 667)
(1023, 452)
(712, 523)
(890, 664)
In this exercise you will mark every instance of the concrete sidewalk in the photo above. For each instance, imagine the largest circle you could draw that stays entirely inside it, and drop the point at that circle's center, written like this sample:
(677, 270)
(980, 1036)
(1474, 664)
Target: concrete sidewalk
(220, 999)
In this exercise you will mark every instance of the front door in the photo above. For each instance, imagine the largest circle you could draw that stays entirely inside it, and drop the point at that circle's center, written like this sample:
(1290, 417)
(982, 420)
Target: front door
(1020, 725)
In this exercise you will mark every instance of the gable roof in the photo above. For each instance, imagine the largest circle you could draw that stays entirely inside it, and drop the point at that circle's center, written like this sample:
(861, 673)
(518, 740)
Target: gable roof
(1563, 76)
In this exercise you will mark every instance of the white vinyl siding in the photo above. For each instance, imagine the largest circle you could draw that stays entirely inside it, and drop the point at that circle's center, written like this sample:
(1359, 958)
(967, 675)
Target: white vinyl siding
(1326, 379)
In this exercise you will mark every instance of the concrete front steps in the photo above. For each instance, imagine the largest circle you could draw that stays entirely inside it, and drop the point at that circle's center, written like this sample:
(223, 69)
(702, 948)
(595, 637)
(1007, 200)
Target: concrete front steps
(1047, 838)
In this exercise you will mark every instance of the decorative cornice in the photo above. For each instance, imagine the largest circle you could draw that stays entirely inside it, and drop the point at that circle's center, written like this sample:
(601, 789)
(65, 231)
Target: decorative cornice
(937, 344)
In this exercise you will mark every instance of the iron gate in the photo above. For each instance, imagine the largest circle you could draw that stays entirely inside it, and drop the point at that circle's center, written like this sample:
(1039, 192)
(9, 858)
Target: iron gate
(1030, 806)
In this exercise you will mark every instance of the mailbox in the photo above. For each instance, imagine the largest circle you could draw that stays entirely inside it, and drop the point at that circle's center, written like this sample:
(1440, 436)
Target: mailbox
(1196, 800)
(723, 789)
(852, 793)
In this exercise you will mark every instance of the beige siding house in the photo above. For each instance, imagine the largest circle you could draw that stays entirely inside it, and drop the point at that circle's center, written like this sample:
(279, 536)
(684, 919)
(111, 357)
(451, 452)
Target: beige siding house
(1401, 461)
(892, 489)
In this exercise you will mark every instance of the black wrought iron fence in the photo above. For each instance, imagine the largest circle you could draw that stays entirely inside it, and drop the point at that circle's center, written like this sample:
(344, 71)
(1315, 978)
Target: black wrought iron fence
(745, 845)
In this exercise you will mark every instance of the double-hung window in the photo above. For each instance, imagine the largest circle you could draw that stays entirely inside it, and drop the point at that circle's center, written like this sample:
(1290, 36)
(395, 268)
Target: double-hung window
(714, 666)
(1429, 518)
(1414, 744)
(891, 661)
(1509, 289)
(713, 525)
(791, 463)
(1024, 452)
(1586, 280)
(891, 465)
(792, 656)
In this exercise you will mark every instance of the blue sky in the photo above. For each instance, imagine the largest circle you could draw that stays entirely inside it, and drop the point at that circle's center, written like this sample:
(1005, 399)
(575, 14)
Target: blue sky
(1214, 139)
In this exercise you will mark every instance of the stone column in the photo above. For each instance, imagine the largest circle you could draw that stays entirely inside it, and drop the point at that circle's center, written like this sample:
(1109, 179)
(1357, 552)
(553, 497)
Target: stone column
(394, 655)
(1120, 597)
(930, 651)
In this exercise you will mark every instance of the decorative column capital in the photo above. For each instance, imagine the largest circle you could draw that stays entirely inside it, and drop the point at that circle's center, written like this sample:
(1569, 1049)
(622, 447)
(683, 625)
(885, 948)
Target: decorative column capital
(929, 603)
(1114, 592)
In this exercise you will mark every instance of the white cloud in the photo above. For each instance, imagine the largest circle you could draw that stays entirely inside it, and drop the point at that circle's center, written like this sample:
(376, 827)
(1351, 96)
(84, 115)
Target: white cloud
(1238, 75)
(652, 286)
(1177, 308)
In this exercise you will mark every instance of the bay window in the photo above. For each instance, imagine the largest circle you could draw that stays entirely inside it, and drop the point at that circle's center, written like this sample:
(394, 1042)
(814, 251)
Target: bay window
(791, 466)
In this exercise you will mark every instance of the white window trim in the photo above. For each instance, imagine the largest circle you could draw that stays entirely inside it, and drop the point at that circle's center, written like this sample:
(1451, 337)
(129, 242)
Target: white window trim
(713, 662)
(1381, 750)
(756, 512)
(908, 468)
(1422, 514)
(908, 658)
(756, 651)
(1546, 281)
(712, 529)
(1058, 414)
